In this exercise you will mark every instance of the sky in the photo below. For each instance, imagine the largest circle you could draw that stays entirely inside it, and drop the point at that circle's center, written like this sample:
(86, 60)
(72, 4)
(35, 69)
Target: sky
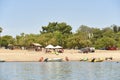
(28, 16)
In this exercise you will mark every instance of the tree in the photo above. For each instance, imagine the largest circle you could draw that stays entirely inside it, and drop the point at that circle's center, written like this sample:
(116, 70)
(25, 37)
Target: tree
(119, 29)
(97, 33)
(115, 28)
(108, 32)
(57, 33)
(54, 26)
(88, 33)
(117, 39)
(105, 42)
(84, 28)
(72, 41)
(26, 39)
(7, 40)
(58, 36)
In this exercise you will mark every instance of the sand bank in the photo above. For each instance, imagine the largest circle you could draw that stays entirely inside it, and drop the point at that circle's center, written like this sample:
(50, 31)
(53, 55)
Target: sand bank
(25, 55)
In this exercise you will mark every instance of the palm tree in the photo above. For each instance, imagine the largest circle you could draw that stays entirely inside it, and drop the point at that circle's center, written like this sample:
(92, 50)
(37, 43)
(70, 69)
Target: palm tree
(0, 35)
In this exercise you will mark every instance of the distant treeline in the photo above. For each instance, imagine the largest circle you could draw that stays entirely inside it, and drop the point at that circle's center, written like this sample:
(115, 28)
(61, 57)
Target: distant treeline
(61, 34)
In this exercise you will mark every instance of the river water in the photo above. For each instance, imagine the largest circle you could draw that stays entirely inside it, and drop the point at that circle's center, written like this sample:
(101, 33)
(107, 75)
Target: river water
(59, 71)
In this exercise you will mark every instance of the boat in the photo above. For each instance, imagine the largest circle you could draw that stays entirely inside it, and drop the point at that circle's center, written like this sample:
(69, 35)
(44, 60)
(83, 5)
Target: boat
(53, 60)
(96, 60)
(83, 59)
(2, 60)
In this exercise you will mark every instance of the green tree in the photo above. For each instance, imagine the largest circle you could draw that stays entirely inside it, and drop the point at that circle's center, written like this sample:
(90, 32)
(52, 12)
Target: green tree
(105, 42)
(108, 32)
(84, 34)
(58, 36)
(54, 26)
(72, 42)
(7, 40)
(26, 39)
(78, 40)
(115, 28)
(57, 33)
(97, 33)
(88, 32)
(45, 38)
(118, 28)
(117, 39)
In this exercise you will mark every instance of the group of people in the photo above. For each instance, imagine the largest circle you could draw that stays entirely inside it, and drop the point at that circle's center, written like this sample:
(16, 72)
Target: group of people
(54, 51)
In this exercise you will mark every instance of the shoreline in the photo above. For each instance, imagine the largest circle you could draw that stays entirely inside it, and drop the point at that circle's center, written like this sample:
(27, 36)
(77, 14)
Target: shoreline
(73, 55)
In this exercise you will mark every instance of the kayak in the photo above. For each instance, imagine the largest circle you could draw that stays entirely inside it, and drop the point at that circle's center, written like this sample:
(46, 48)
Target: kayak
(2, 60)
(53, 60)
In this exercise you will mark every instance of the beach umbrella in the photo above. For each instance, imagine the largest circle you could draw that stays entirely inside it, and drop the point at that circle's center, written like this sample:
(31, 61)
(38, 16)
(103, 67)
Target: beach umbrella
(58, 47)
(50, 46)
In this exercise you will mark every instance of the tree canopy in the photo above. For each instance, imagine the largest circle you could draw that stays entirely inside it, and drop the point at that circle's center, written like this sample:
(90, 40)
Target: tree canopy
(61, 34)
(55, 26)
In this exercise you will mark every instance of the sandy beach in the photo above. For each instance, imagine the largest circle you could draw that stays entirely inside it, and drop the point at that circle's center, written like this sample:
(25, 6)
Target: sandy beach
(25, 55)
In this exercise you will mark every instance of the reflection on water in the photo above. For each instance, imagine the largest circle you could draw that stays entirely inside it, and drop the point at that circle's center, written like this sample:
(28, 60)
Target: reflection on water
(59, 71)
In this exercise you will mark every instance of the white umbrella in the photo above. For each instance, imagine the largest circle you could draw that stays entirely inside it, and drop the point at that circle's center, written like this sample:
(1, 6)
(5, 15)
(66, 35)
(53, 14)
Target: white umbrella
(50, 46)
(58, 47)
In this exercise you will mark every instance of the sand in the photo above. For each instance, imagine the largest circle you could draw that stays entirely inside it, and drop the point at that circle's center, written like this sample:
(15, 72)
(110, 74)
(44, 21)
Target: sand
(25, 55)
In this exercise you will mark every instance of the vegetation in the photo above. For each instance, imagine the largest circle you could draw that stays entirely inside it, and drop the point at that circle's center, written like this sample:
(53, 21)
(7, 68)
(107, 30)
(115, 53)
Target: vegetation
(61, 34)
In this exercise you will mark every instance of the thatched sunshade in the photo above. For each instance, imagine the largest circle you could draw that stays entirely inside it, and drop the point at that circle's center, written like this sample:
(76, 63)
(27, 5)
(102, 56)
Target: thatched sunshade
(10, 45)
